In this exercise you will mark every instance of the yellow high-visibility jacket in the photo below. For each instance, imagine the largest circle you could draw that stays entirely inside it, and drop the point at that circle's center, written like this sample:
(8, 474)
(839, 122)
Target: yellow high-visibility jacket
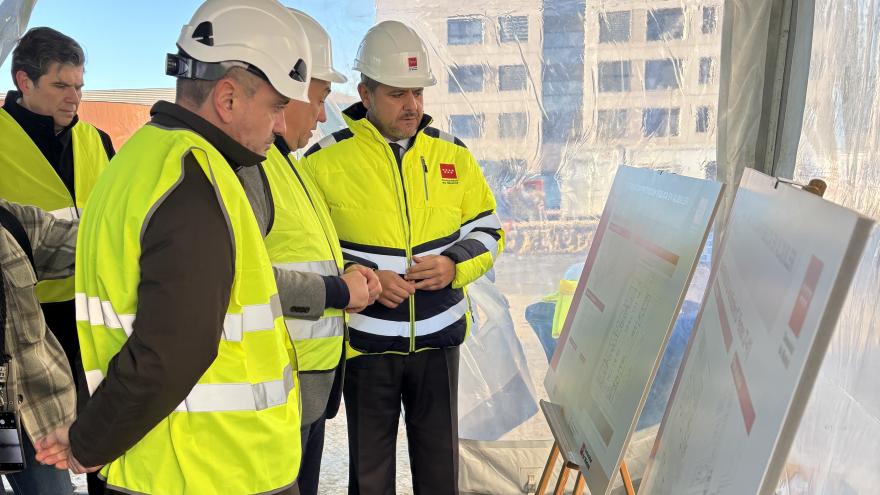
(435, 200)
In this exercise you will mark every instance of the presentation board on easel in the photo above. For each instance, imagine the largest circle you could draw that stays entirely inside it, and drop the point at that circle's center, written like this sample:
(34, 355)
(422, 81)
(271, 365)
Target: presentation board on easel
(640, 263)
(784, 268)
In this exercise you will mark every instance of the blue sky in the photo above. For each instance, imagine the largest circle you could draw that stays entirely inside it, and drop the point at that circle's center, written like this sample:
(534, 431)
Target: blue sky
(126, 41)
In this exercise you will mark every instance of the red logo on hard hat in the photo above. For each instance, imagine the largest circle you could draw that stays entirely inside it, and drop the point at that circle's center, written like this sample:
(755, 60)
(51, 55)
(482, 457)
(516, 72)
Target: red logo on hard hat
(413, 63)
(447, 171)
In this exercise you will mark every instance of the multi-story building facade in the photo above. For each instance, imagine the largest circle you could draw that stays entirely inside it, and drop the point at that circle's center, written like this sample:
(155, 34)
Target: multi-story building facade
(552, 95)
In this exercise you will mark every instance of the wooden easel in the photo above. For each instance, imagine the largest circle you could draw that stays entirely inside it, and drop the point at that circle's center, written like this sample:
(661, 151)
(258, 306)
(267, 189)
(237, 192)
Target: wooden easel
(561, 436)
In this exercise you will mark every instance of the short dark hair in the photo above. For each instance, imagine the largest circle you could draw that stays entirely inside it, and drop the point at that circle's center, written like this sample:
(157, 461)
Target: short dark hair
(369, 82)
(39, 48)
(196, 91)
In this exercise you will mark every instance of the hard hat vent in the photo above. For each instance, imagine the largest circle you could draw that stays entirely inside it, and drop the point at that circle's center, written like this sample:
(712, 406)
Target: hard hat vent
(204, 33)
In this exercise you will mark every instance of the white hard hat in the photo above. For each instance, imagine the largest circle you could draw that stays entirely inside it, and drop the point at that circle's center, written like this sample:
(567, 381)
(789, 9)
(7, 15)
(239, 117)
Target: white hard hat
(393, 54)
(322, 52)
(260, 33)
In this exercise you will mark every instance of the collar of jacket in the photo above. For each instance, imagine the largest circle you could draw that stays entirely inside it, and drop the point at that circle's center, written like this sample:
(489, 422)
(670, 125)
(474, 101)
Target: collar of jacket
(170, 115)
(34, 124)
(282, 146)
(356, 118)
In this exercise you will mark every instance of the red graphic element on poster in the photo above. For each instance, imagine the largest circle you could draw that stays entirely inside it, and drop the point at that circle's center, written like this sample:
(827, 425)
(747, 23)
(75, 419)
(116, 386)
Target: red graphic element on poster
(805, 296)
(595, 300)
(617, 229)
(742, 393)
(722, 319)
(447, 171)
(662, 253)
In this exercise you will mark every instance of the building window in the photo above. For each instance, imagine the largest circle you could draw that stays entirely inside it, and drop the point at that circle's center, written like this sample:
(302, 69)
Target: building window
(466, 126)
(614, 27)
(665, 24)
(710, 19)
(612, 123)
(562, 31)
(464, 31)
(706, 67)
(466, 78)
(662, 74)
(512, 125)
(511, 77)
(660, 122)
(513, 28)
(614, 76)
(702, 119)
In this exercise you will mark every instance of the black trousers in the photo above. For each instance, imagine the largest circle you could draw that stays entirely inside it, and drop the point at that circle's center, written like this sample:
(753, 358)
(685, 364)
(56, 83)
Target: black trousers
(426, 383)
(312, 450)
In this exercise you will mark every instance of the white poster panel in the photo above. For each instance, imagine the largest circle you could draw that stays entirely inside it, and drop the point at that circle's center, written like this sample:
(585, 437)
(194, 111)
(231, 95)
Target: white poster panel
(785, 266)
(638, 269)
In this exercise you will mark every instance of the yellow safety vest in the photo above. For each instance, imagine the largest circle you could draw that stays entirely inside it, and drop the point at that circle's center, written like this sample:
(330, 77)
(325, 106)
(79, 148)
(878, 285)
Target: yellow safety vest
(303, 239)
(238, 430)
(563, 300)
(28, 178)
(385, 214)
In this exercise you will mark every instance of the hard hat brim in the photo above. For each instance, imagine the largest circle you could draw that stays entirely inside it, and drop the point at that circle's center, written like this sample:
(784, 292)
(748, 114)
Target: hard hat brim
(331, 75)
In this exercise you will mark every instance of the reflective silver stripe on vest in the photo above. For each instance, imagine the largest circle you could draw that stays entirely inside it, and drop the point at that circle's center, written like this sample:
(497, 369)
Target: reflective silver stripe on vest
(220, 397)
(487, 240)
(332, 326)
(101, 313)
(69, 213)
(427, 326)
(396, 264)
(93, 379)
(438, 250)
(488, 222)
(254, 318)
(327, 268)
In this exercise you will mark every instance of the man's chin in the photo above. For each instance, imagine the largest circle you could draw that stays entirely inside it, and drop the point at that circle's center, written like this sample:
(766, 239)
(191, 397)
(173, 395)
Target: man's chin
(63, 121)
(262, 151)
(405, 132)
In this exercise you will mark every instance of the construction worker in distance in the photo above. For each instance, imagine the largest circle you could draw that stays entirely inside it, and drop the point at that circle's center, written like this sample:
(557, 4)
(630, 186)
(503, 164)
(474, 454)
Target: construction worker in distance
(411, 202)
(51, 159)
(305, 254)
(547, 316)
(180, 326)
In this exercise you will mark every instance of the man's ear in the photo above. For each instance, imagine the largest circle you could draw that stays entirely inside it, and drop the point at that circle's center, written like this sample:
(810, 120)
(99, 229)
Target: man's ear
(24, 83)
(364, 94)
(224, 99)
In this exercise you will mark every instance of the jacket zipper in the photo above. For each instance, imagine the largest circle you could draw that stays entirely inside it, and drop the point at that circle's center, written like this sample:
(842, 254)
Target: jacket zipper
(405, 222)
(425, 177)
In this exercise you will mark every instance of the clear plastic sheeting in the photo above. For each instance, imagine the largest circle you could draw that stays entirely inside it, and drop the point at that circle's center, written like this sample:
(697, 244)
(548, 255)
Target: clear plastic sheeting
(500, 393)
(551, 96)
(837, 449)
(14, 15)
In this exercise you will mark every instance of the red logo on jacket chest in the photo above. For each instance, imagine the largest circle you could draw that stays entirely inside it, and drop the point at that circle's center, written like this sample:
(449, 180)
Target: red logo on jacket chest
(447, 171)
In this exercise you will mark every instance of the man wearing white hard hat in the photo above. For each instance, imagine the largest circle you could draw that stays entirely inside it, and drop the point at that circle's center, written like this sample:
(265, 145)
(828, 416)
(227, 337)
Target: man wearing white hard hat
(410, 201)
(187, 358)
(314, 285)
